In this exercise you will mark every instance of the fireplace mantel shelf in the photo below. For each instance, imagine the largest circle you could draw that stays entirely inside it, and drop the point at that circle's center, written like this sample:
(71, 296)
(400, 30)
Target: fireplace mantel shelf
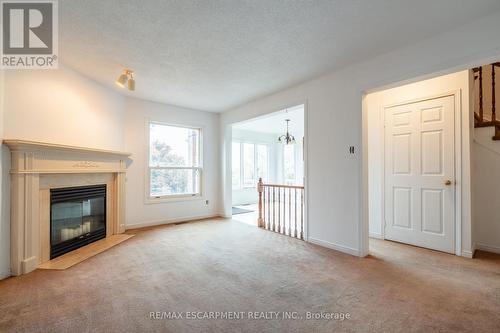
(35, 145)
(31, 157)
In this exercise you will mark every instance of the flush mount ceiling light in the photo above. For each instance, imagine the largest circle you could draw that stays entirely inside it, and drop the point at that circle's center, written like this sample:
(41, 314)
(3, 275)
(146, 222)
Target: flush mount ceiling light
(127, 77)
(287, 138)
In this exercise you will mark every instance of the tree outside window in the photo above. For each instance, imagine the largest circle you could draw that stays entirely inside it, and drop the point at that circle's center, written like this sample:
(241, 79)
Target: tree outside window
(174, 161)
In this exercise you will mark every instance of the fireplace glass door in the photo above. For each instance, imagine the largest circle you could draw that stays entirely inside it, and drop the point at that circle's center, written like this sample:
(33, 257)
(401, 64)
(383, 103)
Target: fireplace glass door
(78, 217)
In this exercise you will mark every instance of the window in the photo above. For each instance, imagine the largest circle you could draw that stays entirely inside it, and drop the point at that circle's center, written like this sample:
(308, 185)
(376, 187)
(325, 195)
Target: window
(236, 165)
(262, 163)
(289, 164)
(248, 165)
(174, 161)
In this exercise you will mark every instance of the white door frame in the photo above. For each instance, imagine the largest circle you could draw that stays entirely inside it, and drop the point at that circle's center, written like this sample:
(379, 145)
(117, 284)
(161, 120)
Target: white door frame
(457, 160)
(226, 143)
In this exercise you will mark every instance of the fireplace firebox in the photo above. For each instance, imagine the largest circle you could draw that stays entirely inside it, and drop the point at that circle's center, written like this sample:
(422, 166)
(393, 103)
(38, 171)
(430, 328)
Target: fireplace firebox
(77, 217)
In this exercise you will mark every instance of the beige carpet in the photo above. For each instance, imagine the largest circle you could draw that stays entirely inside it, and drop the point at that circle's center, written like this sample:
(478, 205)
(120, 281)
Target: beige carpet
(227, 266)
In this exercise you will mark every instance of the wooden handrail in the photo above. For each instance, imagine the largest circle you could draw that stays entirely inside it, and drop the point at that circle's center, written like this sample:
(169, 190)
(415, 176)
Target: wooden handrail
(283, 186)
(285, 213)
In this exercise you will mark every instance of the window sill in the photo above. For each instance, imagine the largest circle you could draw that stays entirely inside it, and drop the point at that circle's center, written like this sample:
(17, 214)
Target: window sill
(176, 198)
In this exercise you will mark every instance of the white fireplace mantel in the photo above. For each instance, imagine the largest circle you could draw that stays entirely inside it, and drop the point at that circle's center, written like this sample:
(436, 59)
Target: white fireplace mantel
(37, 167)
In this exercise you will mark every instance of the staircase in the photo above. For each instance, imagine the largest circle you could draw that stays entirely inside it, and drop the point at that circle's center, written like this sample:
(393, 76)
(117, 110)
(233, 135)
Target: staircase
(485, 101)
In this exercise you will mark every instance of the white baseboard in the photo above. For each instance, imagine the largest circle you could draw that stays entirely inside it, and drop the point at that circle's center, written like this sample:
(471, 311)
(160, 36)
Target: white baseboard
(333, 246)
(375, 235)
(467, 254)
(170, 221)
(488, 248)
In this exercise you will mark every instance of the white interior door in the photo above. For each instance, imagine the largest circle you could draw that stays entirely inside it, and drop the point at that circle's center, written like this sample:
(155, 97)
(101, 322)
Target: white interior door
(419, 173)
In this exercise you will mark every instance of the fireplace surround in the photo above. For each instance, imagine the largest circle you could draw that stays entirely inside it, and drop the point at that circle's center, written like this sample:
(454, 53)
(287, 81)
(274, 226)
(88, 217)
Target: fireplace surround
(40, 169)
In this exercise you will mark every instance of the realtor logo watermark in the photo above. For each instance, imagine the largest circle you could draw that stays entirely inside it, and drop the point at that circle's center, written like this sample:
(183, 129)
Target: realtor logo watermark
(29, 34)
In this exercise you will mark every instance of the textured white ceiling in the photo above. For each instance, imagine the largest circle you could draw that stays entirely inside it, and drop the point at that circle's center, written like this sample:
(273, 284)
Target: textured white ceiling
(216, 54)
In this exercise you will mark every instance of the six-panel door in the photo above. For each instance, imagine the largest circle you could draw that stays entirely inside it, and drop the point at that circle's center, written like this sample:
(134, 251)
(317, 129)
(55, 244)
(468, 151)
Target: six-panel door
(419, 173)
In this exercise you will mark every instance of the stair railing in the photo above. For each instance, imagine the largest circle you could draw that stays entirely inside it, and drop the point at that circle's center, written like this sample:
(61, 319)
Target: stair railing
(281, 209)
(479, 118)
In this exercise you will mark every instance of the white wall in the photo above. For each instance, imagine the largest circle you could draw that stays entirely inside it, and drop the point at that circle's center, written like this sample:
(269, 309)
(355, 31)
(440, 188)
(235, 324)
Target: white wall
(486, 189)
(375, 164)
(62, 106)
(427, 88)
(137, 114)
(4, 213)
(337, 205)
(58, 106)
(4, 193)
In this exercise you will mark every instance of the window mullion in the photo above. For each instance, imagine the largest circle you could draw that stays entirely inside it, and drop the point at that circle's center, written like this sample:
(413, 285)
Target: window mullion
(256, 164)
(242, 166)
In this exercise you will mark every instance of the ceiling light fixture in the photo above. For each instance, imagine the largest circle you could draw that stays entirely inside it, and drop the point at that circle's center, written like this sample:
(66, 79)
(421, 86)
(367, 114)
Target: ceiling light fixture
(287, 138)
(127, 77)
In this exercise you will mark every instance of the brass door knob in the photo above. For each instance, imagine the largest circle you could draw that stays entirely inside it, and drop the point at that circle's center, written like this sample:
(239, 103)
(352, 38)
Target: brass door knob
(448, 182)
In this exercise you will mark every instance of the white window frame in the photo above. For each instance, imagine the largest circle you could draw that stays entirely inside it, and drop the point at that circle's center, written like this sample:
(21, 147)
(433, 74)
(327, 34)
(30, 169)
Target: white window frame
(173, 197)
(294, 165)
(241, 185)
(257, 161)
(242, 151)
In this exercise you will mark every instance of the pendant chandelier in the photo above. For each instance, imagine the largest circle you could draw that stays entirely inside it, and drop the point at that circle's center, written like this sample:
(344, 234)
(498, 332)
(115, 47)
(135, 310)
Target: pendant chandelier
(287, 138)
